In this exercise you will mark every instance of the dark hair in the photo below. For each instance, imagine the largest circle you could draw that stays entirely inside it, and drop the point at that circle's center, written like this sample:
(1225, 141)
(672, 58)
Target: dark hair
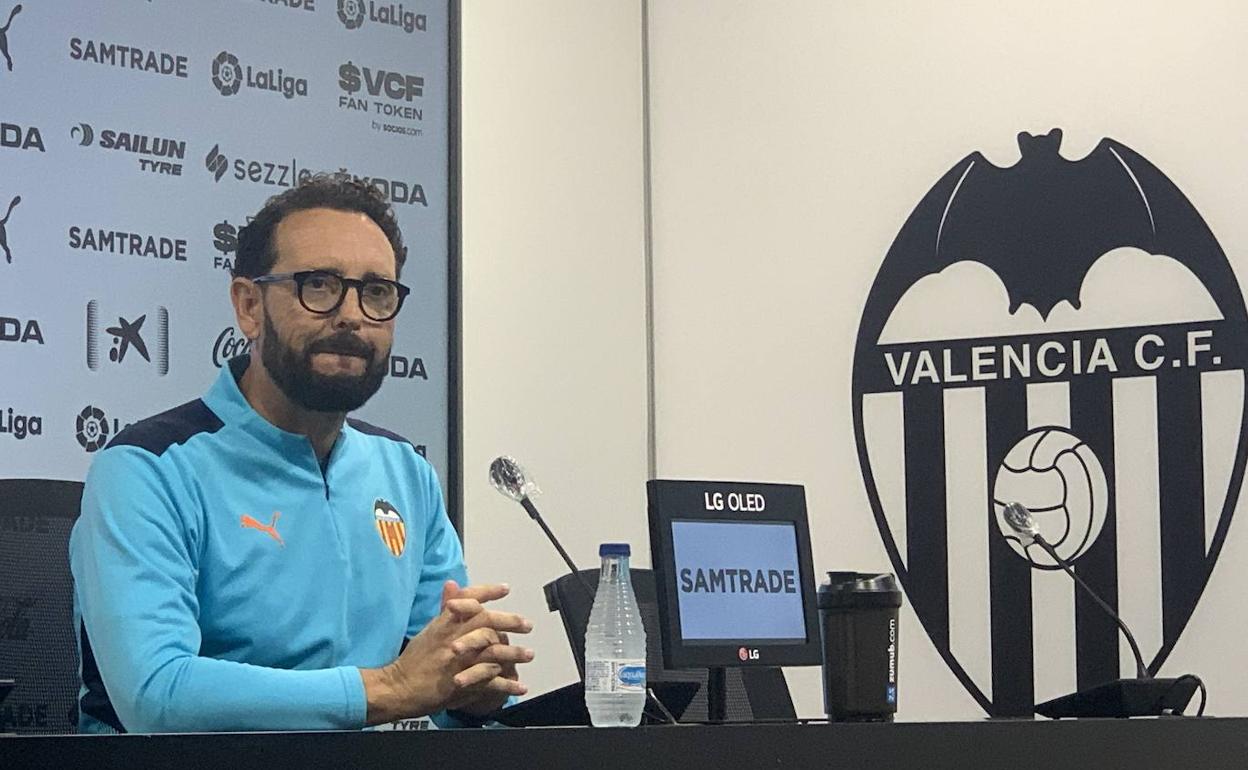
(256, 255)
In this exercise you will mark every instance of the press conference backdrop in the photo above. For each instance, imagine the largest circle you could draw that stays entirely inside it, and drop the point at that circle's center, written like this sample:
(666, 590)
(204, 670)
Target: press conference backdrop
(136, 136)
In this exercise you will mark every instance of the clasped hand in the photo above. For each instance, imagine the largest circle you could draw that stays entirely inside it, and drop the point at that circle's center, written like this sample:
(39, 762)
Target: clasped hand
(463, 659)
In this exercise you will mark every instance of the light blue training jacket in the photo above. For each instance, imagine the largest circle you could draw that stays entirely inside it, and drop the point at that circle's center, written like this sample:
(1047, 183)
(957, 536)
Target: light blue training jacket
(222, 581)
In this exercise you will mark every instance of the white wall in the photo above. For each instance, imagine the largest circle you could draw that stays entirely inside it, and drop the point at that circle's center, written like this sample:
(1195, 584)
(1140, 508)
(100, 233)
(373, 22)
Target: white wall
(553, 292)
(789, 145)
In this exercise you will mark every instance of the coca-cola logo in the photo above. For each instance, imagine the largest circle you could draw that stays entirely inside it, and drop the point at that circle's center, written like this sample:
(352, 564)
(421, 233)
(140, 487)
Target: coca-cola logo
(229, 345)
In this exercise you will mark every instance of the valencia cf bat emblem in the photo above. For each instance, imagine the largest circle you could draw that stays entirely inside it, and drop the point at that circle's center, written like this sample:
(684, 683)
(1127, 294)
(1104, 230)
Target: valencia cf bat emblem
(390, 527)
(1067, 334)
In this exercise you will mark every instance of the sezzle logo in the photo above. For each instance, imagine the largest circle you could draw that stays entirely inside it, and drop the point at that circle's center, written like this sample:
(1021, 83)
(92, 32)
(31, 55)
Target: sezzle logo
(92, 428)
(352, 14)
(126, 336)
(228, 346)
(128, 57)
(19, 426)
(216, 163)
(1098, 333)
(4, 36)
(15, 330)
(288, 174)
(383, 85)
(4, 232)
(14, 137)
(133, 244)
(228, 75)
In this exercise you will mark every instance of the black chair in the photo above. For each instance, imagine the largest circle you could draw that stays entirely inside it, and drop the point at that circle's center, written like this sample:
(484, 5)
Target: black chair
(753, 692)
(38, 647)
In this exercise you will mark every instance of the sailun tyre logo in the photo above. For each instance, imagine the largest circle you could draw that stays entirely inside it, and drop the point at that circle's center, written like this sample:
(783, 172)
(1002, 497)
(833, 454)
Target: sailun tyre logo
(83, 133)
(1065, 333)
(351, 13)
(227, 73)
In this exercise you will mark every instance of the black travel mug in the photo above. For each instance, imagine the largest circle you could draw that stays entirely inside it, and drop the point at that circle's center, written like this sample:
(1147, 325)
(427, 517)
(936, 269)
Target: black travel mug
(858, 617)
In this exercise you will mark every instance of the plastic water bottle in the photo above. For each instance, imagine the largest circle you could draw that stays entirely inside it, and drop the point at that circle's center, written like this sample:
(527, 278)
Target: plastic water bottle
(615, 646)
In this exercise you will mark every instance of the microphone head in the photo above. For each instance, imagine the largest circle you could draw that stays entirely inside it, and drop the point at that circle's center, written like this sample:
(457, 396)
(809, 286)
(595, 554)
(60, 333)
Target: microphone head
(509, 478)
(1022, 522)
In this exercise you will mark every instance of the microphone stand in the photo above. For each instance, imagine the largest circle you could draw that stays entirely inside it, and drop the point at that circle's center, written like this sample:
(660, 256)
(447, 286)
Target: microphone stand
(531, 509)
(1144, 695)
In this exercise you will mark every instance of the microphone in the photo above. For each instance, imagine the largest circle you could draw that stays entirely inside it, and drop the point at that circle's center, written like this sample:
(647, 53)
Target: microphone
(510, 479)
(1142, 696)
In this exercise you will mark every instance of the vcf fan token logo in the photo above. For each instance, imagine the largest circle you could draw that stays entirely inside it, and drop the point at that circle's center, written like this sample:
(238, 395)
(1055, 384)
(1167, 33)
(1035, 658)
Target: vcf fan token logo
(227, 73)
(127, 339)
(4, 233)
(1067, 334)
(351, 13)
(4, 36)
(216, 163)
(91, 429)
(390, 526)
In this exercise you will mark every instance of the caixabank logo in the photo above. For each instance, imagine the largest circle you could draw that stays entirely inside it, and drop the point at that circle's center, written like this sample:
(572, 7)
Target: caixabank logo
(229, 75)
(128, 340)
(353, 14)
(1067, 334)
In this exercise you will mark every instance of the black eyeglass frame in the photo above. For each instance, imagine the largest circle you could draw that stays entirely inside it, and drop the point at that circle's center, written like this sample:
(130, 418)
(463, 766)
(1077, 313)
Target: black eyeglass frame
(301, 277)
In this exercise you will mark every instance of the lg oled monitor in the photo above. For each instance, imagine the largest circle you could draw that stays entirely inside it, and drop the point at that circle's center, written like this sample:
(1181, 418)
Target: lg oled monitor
(735, 582)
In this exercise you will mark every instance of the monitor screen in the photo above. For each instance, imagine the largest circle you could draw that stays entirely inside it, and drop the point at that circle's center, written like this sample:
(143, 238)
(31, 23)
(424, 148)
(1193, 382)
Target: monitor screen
(738, 581)
(733, 574)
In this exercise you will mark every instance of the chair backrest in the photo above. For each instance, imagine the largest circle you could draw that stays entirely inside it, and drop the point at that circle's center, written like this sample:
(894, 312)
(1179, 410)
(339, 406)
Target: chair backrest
(753, 693)
(38, 647)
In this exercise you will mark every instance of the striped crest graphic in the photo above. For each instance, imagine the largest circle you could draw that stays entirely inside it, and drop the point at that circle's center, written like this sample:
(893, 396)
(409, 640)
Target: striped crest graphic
(1067, 334)
(390, 526)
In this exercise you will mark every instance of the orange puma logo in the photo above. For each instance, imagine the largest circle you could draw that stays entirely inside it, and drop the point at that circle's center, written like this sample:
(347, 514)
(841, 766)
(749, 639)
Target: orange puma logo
(269, 529)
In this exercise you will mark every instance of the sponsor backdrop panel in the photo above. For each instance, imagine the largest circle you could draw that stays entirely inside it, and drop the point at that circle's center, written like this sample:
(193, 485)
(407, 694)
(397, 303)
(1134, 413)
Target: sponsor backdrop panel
(135, 139)
(138, 137)
(868, 231)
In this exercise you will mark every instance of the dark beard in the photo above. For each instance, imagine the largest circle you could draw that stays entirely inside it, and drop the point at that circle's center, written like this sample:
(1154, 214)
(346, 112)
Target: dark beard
(317, 392)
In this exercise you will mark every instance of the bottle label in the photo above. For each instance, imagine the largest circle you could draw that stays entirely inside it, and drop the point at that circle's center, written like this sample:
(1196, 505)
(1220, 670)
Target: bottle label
(624, 675)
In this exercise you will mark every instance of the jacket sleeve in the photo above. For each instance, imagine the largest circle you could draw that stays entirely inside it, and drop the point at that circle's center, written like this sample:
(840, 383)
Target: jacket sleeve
(134, 554)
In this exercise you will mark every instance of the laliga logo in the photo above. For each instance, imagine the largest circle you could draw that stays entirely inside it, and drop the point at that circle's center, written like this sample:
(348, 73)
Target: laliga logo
(353, 12)
(227, 73)
(1038, 333)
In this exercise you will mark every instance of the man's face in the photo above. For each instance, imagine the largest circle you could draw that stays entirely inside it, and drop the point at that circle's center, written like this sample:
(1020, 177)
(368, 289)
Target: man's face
(336, 361)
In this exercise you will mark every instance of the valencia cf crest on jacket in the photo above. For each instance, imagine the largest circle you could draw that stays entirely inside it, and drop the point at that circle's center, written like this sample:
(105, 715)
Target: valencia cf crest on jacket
(390, 526)
(1067, 334)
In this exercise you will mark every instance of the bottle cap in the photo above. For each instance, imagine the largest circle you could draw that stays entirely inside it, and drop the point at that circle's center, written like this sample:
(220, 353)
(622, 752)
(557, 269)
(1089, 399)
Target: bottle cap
(614, 549)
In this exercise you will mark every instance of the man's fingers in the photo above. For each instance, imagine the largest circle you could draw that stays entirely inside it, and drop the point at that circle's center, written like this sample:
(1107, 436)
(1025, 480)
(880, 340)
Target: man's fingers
(475, 641)
(506, 655)
(476, 674)
(450, 589)
(484, 593)
(471, 613)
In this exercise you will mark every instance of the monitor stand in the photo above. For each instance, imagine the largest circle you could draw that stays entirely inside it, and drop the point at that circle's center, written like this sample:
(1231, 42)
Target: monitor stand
(716, 695)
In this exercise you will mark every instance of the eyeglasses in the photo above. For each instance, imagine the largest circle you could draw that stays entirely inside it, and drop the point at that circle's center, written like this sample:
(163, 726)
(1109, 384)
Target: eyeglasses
(322, 292)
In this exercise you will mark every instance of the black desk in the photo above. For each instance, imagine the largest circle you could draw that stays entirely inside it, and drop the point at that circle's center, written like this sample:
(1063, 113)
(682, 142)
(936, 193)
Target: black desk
(1207, 744)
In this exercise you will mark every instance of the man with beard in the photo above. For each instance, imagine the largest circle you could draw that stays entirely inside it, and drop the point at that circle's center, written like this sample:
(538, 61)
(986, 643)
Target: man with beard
(254, 559)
